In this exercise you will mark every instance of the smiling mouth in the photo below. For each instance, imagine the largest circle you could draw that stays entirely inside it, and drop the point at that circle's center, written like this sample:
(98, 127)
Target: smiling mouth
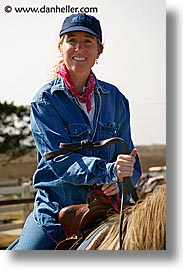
(80, 59)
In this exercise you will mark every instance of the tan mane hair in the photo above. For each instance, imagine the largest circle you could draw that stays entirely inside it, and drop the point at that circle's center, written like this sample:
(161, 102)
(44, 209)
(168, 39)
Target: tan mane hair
(144, 226)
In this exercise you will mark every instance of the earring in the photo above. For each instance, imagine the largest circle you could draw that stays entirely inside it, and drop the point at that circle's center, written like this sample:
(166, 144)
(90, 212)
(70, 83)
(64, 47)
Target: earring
(58, 46)
(96, 61)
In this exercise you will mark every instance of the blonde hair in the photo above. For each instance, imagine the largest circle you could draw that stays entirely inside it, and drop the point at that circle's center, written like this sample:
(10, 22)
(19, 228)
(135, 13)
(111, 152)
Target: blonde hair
(57, 65)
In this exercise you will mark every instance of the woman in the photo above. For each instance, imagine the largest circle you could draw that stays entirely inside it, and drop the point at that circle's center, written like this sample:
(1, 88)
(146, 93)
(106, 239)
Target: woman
(76, 106)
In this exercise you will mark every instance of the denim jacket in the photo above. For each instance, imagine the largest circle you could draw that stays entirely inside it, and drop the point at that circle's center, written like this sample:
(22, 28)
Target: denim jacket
(57, 117)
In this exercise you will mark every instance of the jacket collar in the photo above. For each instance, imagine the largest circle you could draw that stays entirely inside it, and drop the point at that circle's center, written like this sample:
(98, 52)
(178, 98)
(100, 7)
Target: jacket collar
(58, 85)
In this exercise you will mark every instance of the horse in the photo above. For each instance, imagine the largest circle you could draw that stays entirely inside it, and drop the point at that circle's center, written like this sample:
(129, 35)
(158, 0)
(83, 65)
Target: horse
(144, 223)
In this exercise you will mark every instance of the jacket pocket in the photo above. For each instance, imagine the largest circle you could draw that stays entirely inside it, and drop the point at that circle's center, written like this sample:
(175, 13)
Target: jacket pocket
(78, 132)
(109, 129)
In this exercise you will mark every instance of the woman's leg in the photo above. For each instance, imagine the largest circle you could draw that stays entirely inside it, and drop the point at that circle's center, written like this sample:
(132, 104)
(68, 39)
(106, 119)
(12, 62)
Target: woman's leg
(34, 237)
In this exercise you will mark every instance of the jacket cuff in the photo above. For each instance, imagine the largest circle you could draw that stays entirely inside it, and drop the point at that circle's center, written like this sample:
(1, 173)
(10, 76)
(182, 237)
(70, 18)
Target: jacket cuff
(112, 175)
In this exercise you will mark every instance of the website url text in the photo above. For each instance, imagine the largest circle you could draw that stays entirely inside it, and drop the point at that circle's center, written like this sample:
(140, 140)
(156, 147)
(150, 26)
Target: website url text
(55, 9)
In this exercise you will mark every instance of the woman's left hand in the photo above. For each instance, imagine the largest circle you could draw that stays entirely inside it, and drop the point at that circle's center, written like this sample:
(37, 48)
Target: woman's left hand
(110, 189)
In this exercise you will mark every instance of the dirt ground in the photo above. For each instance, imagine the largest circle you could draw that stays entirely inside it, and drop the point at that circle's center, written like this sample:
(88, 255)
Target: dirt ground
(25, 166)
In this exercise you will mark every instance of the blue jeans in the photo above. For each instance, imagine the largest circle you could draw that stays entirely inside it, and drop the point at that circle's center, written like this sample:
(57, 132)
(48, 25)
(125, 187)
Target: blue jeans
(34, 237)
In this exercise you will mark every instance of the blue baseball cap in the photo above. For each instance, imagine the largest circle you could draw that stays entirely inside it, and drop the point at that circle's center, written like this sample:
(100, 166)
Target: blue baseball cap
(82, 22)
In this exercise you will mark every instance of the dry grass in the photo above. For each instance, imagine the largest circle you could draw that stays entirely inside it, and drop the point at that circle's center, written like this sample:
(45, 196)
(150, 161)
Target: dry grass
(22, 167)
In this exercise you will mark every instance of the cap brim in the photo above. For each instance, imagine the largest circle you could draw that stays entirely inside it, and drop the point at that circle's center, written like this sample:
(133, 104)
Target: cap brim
(81, 29)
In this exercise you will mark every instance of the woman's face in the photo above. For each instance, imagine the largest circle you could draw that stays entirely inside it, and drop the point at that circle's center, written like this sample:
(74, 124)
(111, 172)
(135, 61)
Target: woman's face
(79, 51)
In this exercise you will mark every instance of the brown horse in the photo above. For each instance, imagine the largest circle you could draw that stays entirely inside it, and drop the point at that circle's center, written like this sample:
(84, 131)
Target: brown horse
(144, 224)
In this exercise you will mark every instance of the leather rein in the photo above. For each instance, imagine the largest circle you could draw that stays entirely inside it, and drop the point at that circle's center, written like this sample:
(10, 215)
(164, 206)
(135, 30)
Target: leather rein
(128, 187)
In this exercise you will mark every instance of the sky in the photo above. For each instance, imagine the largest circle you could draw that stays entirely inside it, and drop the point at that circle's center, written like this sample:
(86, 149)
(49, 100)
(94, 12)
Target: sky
(134, 57)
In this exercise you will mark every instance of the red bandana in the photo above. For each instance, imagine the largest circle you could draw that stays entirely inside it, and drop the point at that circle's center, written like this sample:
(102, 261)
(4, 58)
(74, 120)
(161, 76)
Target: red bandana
(86, 95)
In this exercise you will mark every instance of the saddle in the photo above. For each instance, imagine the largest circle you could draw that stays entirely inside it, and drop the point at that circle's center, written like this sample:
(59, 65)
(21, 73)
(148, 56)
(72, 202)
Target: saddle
(79, 220)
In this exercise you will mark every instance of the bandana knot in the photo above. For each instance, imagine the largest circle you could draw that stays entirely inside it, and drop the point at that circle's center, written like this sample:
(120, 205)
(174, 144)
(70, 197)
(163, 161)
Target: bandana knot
(85, 96)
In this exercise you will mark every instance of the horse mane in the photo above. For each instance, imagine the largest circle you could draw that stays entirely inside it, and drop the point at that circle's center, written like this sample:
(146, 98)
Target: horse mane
(144, 225)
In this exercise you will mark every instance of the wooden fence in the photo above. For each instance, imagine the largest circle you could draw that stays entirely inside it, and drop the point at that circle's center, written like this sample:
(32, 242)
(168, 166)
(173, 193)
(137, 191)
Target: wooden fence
(16, 195)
